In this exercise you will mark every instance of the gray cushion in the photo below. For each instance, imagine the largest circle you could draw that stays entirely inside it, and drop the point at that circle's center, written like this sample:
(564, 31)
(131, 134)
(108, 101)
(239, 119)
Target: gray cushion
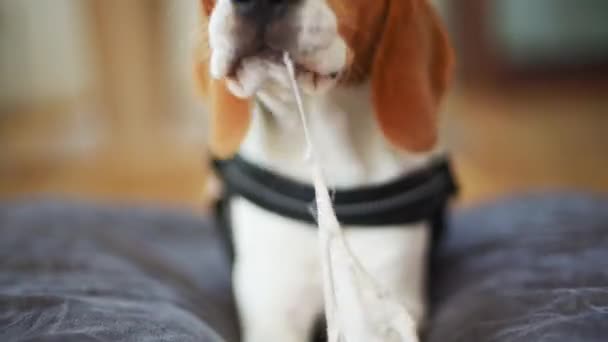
(72, 272)
(528, 268)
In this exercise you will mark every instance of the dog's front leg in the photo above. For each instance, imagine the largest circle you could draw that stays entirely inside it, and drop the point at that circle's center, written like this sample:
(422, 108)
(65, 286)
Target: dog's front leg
(277, 279)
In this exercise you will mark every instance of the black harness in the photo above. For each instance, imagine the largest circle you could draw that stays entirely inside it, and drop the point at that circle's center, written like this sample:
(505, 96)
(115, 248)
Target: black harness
(422, 195)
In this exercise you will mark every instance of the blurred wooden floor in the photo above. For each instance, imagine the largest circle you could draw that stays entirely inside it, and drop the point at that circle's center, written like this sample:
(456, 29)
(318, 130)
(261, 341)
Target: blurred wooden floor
(529, 140)
(53, 155)
(500, 146)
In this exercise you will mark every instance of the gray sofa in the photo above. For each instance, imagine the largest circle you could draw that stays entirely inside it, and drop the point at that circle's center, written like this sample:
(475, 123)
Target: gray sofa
(526, 268)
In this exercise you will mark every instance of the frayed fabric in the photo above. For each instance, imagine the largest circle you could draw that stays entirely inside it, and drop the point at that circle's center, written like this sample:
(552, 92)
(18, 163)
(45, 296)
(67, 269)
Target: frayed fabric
(357, 309)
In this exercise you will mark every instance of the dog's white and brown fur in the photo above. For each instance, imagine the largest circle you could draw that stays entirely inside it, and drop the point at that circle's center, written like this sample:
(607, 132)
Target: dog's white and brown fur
(373, 74)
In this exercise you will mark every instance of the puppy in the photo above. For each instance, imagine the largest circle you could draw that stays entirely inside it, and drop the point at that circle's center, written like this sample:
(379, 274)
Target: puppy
(373, 75)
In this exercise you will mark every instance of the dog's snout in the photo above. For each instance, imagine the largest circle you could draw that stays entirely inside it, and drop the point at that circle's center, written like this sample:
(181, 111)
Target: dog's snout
(262, 11)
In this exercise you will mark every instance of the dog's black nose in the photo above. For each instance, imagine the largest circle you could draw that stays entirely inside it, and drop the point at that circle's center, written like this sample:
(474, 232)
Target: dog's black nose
(262, 11)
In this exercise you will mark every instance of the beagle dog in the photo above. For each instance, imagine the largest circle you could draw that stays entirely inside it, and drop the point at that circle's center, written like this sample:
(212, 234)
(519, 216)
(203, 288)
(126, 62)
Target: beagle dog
(373, 73)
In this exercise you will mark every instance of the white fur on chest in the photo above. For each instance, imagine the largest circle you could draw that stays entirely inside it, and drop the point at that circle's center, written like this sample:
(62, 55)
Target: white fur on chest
(278, 261)
(277, 271)
(349, 143)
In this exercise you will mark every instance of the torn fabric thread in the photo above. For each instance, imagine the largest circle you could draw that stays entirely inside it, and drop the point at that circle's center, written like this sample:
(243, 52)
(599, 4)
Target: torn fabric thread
(356, 309)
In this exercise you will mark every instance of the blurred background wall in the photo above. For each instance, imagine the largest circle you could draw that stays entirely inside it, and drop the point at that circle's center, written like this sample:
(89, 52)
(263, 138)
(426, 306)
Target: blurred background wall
(97, 101)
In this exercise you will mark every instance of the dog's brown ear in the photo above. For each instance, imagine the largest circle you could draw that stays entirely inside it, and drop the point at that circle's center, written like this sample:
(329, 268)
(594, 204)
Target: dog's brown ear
(411, 72)
(230, 116)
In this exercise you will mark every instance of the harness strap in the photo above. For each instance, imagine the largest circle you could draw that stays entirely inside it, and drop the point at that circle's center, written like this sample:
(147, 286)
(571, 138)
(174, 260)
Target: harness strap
(419, 196)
